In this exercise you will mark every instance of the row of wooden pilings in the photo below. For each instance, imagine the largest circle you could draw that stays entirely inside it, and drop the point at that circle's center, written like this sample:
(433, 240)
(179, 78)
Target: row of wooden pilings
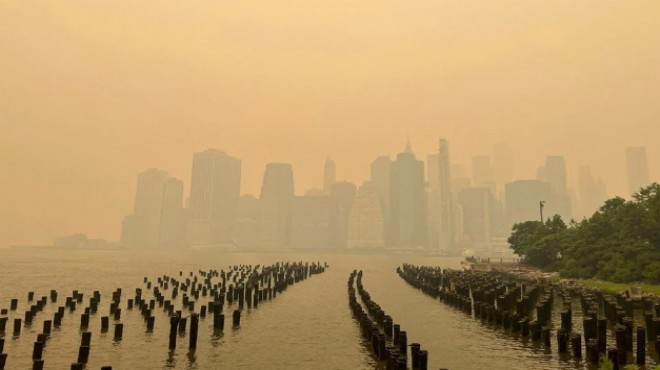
(240, 285)
(388, 342)
(525, 308)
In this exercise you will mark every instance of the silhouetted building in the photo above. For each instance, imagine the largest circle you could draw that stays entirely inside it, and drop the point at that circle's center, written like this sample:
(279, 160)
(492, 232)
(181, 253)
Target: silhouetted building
(447, 228)
(523, 201)
(314, 222)
(214, 198)
(158, 218)
(638, 169)
(482, 173)
(366, 222)
(407, 201)
(380, 179)
(555, 175)
(329, 175)
(433, 200)
(593, 192)
(503, 165)
(277, 193)
(174, 216)
(244, 228)
(343, 194)
(477, 210)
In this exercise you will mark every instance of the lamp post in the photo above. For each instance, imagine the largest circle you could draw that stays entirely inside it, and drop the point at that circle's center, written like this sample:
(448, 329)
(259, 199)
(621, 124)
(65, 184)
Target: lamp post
(541, 205)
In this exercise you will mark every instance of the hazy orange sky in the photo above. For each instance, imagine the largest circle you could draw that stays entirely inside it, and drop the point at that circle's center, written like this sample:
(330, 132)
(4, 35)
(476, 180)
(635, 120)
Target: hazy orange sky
(92, 92)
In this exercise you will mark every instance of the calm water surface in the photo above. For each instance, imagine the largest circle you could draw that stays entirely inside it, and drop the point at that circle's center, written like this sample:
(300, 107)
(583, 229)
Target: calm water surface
(309, 326)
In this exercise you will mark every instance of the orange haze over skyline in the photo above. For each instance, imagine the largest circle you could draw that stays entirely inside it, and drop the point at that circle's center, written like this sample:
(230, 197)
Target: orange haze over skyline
(93, 92)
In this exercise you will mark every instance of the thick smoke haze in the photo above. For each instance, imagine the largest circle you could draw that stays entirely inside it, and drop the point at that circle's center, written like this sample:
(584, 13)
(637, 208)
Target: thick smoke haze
(93, 92)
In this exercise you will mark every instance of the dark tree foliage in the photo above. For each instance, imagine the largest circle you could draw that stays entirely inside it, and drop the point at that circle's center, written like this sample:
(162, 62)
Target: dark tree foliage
(619, 243)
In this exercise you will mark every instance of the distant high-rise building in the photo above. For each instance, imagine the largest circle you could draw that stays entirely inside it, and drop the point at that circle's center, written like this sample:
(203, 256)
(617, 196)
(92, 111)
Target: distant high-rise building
(343, 194)
(523, 200)
(555, 175)
(407, 201)
(477, 209)
(447, 227)
(214, 198)
(638, 168)
(366, 222)
(593, 193)
(244, 228)
(482, 173)
(503, 163)
(380, 180)
(314, 222)
(329, 175)
(277, 192)
(173, 219)
(158, 219)
(433, 199)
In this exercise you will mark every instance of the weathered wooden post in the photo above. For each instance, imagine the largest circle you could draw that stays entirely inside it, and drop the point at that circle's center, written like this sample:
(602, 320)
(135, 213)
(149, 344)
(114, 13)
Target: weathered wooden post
(194, 324)
(423, 360)
(119, 331)
(236, 318)
(174, 324)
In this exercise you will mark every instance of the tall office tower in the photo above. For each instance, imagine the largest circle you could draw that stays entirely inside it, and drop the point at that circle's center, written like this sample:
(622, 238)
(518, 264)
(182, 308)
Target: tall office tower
(214, 195)
(503, 163)
(380, 179)
(314, 222)
(407, 201)
(329, 175)
(173, 216)
(447, 228)
(366, 222)
(593, 193)
(523, 201)
(244, 228)
(277, 193)
(482, 173)
(157, 213)
(477, 209)
(433, 200)
(638, 168)
(343, 194)
(555, 175)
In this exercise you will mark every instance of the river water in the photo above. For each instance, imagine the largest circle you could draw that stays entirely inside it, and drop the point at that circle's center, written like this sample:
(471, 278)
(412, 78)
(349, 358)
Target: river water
(309, 326)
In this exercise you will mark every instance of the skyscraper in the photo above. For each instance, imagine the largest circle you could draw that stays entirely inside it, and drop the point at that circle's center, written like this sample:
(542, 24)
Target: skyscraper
(343, 195)
(503, 165)
(380, 180)
(638, 168)
(366, 222)
(482, 173)
(407, 201)
(277, 194)
(329, 175)
(157, 219)
(592, 192)
(214, 196)
(433, 199)
(555, 175)
(446, 230)
(314, 222)
(477, 208)
(173, 220)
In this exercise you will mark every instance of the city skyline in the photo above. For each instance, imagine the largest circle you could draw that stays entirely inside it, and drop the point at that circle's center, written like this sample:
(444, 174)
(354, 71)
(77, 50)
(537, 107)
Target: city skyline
(468, 172)
(93, 93)
(406, 203)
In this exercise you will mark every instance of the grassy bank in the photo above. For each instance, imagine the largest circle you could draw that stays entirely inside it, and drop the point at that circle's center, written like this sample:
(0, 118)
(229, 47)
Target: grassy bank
(615, 287)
